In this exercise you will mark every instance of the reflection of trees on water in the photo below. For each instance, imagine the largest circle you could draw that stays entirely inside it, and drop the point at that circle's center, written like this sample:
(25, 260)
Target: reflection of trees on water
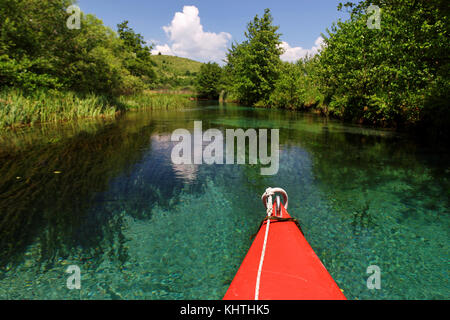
(50, 207)
(124, 169)
(100, 177)
(351, 163)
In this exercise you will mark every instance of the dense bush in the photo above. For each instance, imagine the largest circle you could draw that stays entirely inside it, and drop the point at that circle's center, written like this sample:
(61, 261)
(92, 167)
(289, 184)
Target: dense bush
(297, 86)
(393, 76)
(38, 50)
(209, 81)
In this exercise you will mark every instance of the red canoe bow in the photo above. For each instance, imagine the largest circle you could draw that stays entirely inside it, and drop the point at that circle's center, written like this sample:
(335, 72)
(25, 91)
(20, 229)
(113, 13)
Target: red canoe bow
(281, 265)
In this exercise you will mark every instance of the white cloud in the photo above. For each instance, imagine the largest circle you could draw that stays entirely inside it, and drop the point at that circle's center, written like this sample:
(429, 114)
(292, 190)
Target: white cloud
(187, 38)
(293, 54)
(164, 49)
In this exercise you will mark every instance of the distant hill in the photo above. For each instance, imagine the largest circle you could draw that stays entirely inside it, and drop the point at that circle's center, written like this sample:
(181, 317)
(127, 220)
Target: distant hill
(175, 73)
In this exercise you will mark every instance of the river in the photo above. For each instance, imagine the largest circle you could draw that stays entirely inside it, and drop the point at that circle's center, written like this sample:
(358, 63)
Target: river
(105, 196)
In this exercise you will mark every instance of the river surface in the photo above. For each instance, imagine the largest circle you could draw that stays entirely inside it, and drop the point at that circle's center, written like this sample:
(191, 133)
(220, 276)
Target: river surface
(105, 196)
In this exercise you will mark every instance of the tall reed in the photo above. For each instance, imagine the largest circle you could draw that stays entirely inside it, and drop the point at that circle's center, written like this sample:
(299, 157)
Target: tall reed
(155, 101)
(18, 107)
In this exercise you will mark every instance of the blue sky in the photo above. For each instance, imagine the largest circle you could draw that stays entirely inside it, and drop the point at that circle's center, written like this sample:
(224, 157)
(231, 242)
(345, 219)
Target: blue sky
(206, 28)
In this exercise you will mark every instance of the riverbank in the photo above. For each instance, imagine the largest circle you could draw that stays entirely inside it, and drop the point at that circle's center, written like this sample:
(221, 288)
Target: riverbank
(430, 126)
(20, 108)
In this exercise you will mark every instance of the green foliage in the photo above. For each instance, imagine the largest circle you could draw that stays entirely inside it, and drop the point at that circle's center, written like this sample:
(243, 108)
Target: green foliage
(155, 101)
(396, 76)
(287, 92)
(139, 63)
(63, 74)
(297, 86)
(37, 50)
(388, 76)
(208, 82)
(175, 72)
(19, 107)
(32, 38)
(254, 65)
(134, 42)
(97, 62)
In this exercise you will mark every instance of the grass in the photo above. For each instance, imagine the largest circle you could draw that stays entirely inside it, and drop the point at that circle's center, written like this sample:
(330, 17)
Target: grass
(171, 65)
(175, 73)
(155, 101)
(19, 108)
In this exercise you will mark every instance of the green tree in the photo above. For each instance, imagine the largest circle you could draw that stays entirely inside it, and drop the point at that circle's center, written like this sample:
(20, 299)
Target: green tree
(208, 81)
(37, 50)
(96, 61)
(396, 75)
(297, 87)
(139, 62)
(32, 42)
(254, 65)
(287, 91)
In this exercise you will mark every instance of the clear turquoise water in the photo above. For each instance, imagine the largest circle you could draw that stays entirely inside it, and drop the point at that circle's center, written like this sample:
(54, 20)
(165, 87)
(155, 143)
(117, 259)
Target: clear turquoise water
(140, 227)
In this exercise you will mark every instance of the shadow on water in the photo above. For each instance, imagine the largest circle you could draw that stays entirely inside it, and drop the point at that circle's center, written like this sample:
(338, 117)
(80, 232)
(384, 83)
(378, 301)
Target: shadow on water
(107, 196)
(53, 190)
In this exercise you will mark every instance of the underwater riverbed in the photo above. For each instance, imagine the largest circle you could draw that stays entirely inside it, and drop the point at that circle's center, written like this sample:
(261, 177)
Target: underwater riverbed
(105, 196)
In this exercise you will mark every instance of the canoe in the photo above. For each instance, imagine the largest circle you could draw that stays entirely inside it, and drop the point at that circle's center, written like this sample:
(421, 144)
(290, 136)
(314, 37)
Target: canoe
(280, 264)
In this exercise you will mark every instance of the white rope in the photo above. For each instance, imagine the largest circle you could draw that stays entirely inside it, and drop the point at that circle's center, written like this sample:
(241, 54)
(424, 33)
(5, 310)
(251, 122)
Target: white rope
(269, 192)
